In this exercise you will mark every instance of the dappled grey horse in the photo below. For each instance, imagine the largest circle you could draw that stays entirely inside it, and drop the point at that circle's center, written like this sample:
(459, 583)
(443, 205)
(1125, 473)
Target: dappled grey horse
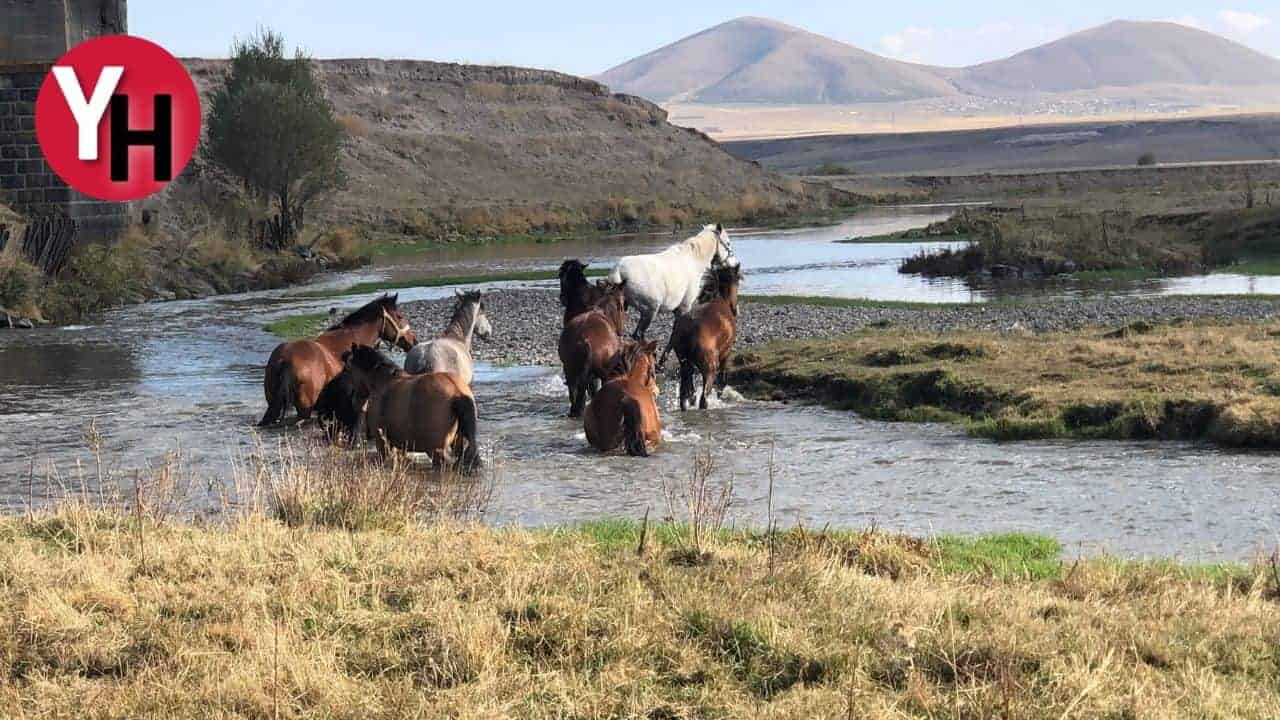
(451, 352)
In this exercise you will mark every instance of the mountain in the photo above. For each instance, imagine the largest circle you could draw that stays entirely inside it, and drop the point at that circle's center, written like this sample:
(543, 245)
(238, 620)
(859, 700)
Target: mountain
(765, 61)
(754, 60)
(1124, 54)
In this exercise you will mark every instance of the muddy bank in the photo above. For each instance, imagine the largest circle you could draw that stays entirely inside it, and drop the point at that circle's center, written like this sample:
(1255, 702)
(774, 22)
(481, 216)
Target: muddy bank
(527, 323)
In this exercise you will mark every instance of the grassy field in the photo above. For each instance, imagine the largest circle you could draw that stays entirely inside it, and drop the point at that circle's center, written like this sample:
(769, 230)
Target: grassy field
(297, 326)
(1189, 381)
(122, 615)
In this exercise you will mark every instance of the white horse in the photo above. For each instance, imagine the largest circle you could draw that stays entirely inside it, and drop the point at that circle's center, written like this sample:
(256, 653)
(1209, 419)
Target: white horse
(671, 279)
(451, 352)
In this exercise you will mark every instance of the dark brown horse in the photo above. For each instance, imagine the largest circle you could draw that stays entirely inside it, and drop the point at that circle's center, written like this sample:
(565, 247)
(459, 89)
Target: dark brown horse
(576, 294)
(298, 371)
(625, 410)
(433, 413)
(590, 343)
(704, 337)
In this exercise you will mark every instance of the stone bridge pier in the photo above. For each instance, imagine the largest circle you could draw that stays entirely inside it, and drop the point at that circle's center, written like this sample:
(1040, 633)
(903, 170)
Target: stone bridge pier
(33, 34)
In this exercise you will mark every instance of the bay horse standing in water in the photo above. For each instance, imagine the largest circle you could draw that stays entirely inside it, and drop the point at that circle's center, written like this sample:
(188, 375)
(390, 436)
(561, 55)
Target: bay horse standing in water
(704, 338)
(433, 413)
(591, 340)
(624, 412)
(298, 371)
(451, 352)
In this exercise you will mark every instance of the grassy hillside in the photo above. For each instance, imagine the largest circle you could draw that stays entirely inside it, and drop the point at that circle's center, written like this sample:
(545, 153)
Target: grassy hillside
(442, 150)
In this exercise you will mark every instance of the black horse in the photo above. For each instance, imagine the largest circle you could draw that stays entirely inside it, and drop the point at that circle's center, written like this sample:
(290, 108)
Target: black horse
(339, 407)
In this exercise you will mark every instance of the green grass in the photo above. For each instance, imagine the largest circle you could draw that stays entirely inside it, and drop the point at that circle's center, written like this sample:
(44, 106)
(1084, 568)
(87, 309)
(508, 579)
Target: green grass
(1007, 556)
(418, 245)
(902, 237)
(426, 282)
(296, 326)
(1254, 266)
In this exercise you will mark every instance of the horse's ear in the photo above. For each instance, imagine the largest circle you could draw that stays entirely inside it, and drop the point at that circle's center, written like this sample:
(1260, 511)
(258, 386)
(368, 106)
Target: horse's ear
(395, 299)
(719, 229)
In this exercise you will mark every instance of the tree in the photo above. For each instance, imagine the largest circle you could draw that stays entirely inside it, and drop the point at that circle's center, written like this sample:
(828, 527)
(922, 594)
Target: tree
(271, 126)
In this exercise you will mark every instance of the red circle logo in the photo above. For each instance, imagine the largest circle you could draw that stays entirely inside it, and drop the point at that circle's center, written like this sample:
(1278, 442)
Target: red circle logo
(117, 118)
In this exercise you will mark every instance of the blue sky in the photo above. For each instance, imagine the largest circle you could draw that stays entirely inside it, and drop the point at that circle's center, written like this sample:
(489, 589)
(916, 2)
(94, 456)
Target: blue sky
(588, 37)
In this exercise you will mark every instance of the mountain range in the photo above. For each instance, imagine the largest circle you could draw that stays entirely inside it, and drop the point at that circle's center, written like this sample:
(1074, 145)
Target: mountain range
(757, 60)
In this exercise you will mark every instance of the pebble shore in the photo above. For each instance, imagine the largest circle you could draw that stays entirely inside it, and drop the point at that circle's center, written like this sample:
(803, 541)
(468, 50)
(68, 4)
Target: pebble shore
(526, 323)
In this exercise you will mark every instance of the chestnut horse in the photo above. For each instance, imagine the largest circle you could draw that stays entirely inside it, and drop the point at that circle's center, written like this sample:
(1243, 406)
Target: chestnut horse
(298, 371)
(433, 413)
(703, 338)
(624, 411)
(591, 341)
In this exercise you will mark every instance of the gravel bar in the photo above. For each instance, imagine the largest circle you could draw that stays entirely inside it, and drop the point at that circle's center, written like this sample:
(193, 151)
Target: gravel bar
(526, 323)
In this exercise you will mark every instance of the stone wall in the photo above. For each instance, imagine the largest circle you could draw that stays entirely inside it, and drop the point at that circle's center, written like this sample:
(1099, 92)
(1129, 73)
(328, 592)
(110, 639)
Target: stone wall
(34, 33)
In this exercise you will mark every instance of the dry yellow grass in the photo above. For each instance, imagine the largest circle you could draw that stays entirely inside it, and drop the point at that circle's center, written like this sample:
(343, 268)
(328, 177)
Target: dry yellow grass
(107, 617)
(1186, 381)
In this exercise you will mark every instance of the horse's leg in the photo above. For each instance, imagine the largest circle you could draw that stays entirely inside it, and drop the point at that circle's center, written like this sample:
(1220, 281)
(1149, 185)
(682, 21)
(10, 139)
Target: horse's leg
(671, 342)
(646, 319)
(708, 384)
(686, 384)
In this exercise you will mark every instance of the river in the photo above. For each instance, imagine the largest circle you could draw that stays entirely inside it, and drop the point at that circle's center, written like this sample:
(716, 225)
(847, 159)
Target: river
(186, 376)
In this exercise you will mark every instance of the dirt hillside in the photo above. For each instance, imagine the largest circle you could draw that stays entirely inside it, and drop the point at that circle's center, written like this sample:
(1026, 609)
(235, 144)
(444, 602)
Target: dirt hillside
(438, 148)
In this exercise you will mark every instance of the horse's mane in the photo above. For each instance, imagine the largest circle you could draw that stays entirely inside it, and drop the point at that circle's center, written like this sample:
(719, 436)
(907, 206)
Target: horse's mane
(715, 279)
(370, 312)
(371, 360)
(626, 358)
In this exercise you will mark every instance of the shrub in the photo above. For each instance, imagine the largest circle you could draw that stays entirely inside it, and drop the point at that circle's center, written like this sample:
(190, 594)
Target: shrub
(19, 285)
(271, 126)
(1146, 159)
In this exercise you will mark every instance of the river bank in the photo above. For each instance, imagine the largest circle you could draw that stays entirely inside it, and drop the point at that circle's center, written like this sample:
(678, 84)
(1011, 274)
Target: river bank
(128, 615)
(527, 323)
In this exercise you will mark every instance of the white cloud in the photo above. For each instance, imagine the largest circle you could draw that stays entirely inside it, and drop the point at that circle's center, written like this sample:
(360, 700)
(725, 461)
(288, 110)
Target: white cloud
(965, 46)
(1242, 23)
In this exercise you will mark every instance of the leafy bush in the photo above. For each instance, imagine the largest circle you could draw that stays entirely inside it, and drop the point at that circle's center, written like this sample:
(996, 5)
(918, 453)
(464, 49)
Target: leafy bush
(271, 126)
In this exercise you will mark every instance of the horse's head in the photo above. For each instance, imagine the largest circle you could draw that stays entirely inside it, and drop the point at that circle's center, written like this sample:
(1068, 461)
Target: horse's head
(395, 326)
(369, 368)
(728, 277)
(473, 301)
(613, 302)
(573, 277)
(639, 361)
(724, 248)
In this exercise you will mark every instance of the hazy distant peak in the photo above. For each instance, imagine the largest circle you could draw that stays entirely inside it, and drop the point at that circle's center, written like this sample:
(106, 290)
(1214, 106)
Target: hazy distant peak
(760, 60)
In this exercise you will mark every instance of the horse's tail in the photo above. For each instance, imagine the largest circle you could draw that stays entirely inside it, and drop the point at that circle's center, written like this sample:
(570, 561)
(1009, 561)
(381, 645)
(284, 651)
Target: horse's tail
(282, 392)
(633, 428)
(464, 409)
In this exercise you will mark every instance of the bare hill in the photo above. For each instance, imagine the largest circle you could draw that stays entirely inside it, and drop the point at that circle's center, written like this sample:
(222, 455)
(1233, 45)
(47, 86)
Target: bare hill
(437, 149)
(1124, 54)
(765, 61)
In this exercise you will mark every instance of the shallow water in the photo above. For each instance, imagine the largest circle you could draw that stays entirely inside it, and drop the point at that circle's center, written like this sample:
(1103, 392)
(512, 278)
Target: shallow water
(187, 376)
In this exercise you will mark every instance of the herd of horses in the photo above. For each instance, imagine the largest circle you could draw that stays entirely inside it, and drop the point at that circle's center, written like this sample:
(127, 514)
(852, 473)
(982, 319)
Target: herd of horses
(428, 406)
